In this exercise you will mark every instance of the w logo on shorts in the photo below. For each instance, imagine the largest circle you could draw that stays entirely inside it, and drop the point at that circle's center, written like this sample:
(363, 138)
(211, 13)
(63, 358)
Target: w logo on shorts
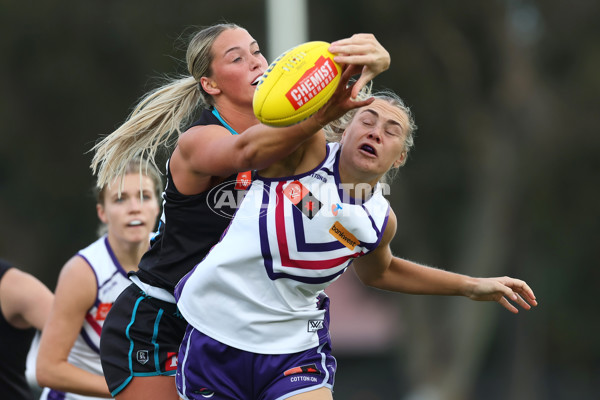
(314, 325)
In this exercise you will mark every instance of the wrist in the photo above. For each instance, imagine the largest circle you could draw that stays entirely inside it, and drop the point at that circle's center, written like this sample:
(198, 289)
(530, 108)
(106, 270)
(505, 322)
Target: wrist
(311, 125)
(468, 286)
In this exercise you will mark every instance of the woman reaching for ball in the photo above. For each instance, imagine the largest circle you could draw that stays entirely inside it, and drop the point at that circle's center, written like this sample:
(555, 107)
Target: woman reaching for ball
(143, 331)
(258, 315)
(68, 364)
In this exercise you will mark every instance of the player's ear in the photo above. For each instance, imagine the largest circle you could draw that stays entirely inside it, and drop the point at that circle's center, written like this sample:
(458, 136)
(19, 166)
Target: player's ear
(209, 86)
(401, 160)
(101, 213)
(343, 136)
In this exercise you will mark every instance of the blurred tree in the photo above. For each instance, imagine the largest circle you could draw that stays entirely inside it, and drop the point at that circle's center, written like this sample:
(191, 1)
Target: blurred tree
(499, 183)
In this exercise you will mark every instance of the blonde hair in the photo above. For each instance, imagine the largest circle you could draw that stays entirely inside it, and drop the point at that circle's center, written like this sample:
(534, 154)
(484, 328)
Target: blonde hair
(160, 114)
(335, 129)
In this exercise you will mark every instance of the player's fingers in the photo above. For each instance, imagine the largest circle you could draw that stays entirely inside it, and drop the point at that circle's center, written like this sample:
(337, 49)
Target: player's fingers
(506, 304)
(362, 103)
(524, 304)
(358, 43)
(342, 89)
(528, 292)
(349, 71)
(355, 87)
(505, 290)
(361, 59)
(358, 85)
(376, 62)
(523, 289)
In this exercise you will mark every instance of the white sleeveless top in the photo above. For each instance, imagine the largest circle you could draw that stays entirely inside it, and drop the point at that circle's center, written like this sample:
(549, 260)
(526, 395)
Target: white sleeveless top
(291, 237)
(111, 280)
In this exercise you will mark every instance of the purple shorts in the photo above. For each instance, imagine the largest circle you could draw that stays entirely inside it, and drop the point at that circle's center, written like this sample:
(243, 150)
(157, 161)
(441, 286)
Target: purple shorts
(210, 369)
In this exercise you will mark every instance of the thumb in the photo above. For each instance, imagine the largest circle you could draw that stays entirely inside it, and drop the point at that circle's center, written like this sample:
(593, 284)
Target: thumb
(358, 85)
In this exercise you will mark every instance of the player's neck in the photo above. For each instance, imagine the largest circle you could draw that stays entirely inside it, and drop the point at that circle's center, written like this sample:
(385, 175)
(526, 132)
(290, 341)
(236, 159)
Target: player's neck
(128, 254)
(237, 117)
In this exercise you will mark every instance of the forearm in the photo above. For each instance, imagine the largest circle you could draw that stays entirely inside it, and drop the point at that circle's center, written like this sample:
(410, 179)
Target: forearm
(380, 269)
(412, 278)
(66, 377)
(261, 146)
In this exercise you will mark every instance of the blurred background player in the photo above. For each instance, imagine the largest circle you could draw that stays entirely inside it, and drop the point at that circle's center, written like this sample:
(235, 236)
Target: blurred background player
(24, 306)
(68, 363)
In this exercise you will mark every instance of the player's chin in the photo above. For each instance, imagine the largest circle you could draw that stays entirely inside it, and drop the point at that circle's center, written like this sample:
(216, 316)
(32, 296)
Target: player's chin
(247, 96)
(138, 235)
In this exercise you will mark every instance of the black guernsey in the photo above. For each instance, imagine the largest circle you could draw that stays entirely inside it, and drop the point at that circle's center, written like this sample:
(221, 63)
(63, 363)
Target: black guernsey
(190, 226)
(13, 355)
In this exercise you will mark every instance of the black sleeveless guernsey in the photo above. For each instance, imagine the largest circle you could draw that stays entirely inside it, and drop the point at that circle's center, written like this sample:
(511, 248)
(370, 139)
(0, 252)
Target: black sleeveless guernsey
(190, 226)
(15, 345)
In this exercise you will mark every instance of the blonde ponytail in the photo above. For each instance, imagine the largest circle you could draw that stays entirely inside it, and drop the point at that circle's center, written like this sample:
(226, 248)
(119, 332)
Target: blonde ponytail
(152, 124)
(160, 114)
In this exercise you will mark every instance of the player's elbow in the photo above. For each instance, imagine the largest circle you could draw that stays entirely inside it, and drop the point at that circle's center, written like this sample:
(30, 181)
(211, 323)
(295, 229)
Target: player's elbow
(374, 282)
(251, 157)
(42, 373)
(45, 372)
(368, 278)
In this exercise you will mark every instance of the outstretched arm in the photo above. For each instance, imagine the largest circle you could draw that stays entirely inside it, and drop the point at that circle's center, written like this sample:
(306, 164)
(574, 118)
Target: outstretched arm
(210, 150)
(382, 270)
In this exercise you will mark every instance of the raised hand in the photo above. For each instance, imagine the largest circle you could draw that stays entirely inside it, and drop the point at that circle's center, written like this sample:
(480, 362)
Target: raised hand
(364, 50)
(341, 101)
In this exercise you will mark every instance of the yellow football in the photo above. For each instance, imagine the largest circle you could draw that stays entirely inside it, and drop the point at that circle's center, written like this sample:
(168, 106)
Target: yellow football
(296, 85)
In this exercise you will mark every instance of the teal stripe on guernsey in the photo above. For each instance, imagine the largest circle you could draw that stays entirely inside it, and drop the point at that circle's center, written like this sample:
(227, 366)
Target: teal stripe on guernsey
(154, 336)
(225, 124)
(122, 386)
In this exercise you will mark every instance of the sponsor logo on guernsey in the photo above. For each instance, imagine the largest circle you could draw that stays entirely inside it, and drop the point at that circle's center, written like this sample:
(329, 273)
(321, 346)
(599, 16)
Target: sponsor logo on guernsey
(243, 180)
(304, 369)
(310, 205)
(303, 199)
(315, 324)
(204, 392)
(142, 356)
(312, 82)
(295, 192)
(344, 236)
(102, 312)
(171, 363)
(335, 208)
